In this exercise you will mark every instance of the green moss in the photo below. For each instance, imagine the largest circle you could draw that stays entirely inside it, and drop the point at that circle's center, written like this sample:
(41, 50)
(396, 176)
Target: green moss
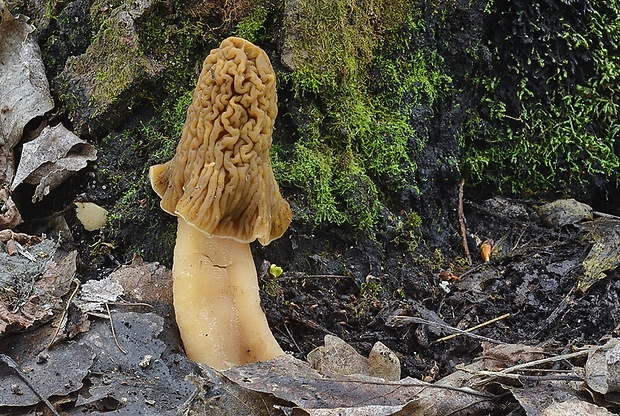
(251, 27)
(555, 133)
(359, 85)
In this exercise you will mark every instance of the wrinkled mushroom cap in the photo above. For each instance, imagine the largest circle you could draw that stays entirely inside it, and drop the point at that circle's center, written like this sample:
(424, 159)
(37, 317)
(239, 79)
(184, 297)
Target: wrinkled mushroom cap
(220, 179)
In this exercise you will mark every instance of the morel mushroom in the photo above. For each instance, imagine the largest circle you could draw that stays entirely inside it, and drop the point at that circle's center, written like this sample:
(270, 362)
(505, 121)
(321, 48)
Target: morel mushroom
(220, 185)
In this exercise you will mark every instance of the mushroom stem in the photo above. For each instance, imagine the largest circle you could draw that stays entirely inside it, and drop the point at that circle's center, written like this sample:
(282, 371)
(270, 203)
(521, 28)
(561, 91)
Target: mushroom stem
(217, 302)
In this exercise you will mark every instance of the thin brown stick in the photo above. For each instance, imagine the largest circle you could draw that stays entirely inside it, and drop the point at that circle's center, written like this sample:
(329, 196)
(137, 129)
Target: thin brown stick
(473, 328)
(131, 304)
(13, 365)
(64, 313)
(107, 308)
(462, 227)
(443, 326)
(302, 275)
(530, 364)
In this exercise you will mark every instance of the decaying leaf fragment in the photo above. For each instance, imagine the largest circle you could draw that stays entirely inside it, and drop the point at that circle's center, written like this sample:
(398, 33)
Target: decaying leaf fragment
(603, 367)
(9, 214)
(338, 357)
(286, 385)
(51, 158)
(604, 255)
(31, 286)
(96, 293)
(499, 356)
(24, 90)
(564, 212)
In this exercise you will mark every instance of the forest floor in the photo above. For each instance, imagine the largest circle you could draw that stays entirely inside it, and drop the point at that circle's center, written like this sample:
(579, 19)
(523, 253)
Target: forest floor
(538, 296)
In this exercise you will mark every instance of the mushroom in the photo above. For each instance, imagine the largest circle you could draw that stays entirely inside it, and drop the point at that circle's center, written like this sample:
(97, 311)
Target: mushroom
(220, 185)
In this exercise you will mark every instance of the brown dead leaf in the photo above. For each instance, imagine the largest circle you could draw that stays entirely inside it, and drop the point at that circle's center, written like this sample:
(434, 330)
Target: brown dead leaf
(51, 158)
(31, 290)
(500, 356)
(9, 214)
(575, 407)
(145, 282)
(23, 84)
(294, 387)
(603, 367)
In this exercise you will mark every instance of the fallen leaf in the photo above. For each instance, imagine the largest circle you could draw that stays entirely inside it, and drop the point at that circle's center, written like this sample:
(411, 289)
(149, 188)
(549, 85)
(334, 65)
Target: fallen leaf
(292, 386)
(603, 367)
(94, 294)
(91, 215)
(9, 214)
(575, 407)
(31, 290)
(500, 356)
(49, 373)
(604, 255)
(538, 399)
(145, 282)
(48, 160)
(562, 212)
(24, 89)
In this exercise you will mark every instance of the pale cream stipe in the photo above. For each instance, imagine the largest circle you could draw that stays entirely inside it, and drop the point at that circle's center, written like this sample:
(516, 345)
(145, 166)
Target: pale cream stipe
(216, 301)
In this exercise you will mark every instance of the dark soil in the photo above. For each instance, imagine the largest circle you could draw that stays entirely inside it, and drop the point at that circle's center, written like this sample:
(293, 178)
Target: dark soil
(532, 276)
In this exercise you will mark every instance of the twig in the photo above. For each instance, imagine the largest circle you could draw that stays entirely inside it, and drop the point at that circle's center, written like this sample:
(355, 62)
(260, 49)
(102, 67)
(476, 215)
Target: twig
(473, 328)
(131, 304)
(463, 228)
(107, 308)
(64, 313)
(605, 215)
(530, 364)
(443, 326)
(290, 335)
(302, 275)
(13, 365)
(413, 383)
(550, 377)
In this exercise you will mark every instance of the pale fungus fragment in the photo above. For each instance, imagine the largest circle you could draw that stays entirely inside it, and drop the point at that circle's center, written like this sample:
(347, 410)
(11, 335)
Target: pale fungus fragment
(220, 185)
(91, 215)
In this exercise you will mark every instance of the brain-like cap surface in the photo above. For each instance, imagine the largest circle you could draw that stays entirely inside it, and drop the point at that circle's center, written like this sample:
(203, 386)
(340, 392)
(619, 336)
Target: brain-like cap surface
(220, 179)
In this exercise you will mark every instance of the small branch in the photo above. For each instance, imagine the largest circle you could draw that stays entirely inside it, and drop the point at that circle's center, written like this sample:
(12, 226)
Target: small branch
(413, 383)
(13, 365)
(107, 308)
(131, 304)
(519, 119)
(416, 320)
(473, 328)
(64, 313)
(530, 364)
(302, 275)
(463, 228)
(550, 377)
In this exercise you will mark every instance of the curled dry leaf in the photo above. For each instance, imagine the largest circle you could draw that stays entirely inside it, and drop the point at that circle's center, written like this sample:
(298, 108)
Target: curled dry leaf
(9, 214)
(51, 158)
(22, 238)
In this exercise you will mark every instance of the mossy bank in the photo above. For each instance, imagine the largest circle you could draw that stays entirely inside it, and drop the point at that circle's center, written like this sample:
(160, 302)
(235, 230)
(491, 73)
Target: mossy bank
(383, 107)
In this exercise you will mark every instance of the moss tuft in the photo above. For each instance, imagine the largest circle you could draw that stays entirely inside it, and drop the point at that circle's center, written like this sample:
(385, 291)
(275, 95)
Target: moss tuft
(359, 86)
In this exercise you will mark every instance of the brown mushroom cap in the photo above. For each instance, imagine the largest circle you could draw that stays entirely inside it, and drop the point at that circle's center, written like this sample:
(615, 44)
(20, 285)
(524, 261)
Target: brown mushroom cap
(220, 179)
